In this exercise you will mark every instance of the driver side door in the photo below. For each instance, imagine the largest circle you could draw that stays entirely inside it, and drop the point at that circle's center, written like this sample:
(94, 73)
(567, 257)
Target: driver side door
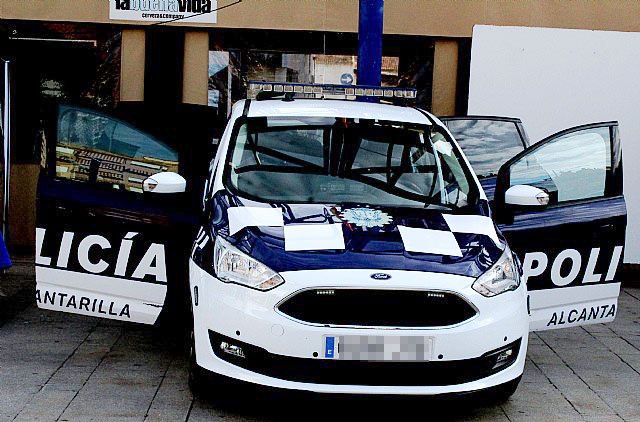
(112, 236)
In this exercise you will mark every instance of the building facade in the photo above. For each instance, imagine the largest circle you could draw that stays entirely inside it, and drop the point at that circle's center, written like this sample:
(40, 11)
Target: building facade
(82, 52)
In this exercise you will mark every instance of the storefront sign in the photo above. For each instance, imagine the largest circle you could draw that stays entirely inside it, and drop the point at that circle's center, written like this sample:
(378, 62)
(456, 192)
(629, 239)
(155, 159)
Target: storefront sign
(200, 11)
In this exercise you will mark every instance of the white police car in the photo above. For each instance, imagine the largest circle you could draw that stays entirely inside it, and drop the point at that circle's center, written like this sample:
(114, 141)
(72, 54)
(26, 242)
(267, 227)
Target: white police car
(346, 247)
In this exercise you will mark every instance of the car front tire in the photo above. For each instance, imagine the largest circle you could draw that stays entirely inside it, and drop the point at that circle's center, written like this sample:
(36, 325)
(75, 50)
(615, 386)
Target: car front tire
(197, 376)
(223, 391)
(501, 393)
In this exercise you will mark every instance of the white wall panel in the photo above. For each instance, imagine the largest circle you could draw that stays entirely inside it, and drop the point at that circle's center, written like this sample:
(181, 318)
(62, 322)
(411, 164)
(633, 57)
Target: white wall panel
(557, 78)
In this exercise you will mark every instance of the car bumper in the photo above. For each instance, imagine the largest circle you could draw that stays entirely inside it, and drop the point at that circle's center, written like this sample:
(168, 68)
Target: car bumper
(281, 352)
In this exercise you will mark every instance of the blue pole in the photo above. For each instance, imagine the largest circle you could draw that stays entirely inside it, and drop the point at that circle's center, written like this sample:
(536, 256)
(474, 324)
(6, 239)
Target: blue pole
(370, 42)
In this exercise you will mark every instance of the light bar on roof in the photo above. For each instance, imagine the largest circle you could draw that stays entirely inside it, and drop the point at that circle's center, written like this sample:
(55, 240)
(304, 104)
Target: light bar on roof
(320, 90)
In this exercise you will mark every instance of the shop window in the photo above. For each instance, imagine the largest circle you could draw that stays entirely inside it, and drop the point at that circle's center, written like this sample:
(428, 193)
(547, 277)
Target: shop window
(58, 63)
(289, 67)
(239, 56)
(219, 81)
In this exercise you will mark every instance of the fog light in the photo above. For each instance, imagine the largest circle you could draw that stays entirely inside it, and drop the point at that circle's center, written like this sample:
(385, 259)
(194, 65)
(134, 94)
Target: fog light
(503, 357)
(499, 359)
(232, 349)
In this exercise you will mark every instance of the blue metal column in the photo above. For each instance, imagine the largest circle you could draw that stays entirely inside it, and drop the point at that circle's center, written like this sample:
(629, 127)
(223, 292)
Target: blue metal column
(370, 42)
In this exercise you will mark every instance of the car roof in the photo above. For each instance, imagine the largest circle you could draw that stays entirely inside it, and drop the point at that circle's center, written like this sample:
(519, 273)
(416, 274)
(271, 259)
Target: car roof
(334, 108)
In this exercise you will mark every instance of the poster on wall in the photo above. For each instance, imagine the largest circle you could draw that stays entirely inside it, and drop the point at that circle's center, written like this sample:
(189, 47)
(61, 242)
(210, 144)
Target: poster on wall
(193, 11)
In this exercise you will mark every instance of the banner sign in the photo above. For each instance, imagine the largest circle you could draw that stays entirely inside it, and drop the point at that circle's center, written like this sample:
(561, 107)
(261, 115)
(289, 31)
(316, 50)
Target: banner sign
(196, 11)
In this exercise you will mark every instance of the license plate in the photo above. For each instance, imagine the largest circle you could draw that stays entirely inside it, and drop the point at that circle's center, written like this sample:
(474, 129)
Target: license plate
(379, 348)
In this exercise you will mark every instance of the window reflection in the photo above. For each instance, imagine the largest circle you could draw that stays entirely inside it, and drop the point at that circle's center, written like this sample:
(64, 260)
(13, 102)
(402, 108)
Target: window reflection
(314, 68)
(346, 160)
(572, 167)
(231, 68)
(488, 144)
(97, 148)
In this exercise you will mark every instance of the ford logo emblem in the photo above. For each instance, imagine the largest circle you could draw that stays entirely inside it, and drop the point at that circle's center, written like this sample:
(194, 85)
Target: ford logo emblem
(380, 276)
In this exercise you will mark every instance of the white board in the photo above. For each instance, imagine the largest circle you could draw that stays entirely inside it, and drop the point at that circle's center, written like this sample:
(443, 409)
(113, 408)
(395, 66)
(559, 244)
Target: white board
(554, 79)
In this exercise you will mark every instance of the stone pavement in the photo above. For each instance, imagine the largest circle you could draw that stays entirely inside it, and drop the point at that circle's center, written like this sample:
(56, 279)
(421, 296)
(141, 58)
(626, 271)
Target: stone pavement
(64, 367)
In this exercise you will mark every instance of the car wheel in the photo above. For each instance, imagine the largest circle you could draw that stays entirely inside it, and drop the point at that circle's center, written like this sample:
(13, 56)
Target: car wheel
(501, 393)
(198, 382)
(220, 390)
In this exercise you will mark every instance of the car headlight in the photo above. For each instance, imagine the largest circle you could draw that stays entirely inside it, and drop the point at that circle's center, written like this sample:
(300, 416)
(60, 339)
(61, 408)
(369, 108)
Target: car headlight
(502, 277)
(234, 266)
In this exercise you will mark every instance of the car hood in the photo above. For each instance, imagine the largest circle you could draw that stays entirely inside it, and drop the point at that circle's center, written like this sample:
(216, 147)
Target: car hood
(376, 248)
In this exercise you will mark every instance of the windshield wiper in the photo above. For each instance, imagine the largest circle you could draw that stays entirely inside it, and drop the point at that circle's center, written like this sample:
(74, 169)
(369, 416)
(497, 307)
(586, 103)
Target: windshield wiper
(442, 207)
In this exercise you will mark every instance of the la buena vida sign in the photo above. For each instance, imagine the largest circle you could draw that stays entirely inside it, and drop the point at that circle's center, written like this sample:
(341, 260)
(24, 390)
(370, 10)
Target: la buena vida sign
(200, 11)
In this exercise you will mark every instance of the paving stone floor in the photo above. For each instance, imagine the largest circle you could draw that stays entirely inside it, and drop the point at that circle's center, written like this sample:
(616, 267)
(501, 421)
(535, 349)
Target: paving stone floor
(64, 367)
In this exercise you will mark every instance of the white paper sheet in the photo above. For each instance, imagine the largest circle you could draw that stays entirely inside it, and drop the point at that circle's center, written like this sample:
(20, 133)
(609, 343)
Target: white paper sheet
(311, 237)
(437, 242)
(241, 217)
(476, 224)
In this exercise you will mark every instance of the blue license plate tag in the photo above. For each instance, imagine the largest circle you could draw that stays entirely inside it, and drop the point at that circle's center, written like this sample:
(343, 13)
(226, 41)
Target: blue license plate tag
(330, 347)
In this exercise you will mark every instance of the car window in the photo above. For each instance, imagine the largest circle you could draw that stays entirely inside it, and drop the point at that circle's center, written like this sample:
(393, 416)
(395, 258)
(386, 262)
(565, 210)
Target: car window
(487, 144)
(303, 144)
(94, 147)
(347, 160)
(571, 167)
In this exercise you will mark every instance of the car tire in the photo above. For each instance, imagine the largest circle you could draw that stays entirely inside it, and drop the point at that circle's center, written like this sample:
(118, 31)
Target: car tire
(218, 389)
(501, 393)
(198, 377)
(201, 383)
(222, 392)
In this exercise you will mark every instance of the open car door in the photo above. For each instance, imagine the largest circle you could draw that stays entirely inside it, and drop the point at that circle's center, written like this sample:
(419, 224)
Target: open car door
(561, 207)
(107, 245)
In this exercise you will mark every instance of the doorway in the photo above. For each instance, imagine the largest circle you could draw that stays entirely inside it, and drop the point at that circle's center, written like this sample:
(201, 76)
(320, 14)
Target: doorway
(51, 64)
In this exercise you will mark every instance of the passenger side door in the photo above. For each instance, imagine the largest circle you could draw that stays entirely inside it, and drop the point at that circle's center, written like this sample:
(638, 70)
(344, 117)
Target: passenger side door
(114, 222)
(561, 207)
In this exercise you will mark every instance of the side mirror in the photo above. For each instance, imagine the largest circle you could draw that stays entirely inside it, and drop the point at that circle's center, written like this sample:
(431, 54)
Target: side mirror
(165, 182)
(526, 196)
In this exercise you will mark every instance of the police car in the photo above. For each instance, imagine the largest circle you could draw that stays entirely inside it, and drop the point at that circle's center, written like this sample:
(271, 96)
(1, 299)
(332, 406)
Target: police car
(342, 247)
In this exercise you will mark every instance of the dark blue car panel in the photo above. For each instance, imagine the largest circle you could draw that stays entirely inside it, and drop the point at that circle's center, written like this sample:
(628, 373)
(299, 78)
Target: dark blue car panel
(370, 249)
(587, 227)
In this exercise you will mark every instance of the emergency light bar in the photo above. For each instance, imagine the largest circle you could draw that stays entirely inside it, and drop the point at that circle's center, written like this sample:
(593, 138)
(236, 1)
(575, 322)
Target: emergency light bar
(321, 90)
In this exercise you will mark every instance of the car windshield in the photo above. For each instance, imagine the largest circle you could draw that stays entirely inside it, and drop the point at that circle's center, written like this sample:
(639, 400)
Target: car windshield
(340, 160)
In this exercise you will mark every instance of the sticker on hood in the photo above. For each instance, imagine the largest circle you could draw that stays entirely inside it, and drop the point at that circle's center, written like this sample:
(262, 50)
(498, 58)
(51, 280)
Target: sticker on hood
(366, 217)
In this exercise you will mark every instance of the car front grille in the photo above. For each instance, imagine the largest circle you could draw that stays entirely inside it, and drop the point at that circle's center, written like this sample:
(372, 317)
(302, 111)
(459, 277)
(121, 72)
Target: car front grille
(377, 308)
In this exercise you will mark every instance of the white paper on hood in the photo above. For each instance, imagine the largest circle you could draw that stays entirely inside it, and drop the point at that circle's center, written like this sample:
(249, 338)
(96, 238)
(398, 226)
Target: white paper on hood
(312, 237)
(241, 217)
(438, 242)
(476, 224)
